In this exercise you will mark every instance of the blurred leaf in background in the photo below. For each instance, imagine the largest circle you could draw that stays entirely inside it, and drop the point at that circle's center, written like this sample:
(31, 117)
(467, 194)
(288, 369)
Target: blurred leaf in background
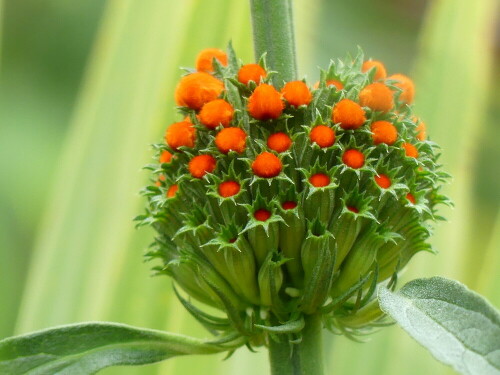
(44, 51)
(87, 256)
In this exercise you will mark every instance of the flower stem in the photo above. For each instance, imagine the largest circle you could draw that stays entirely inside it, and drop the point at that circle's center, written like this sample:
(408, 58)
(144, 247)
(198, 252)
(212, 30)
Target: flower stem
(273, 34)
(304, 358)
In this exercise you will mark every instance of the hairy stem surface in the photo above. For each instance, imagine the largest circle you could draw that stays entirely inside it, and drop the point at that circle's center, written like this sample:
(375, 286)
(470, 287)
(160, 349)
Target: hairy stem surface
(273, 34)
(304, 358)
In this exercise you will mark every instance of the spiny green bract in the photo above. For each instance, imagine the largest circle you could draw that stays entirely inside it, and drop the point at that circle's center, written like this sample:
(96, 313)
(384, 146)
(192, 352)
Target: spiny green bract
(279, 247)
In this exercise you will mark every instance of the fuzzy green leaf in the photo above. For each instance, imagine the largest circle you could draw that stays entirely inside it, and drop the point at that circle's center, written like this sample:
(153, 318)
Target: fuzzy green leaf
(89, 347)
(458, 326)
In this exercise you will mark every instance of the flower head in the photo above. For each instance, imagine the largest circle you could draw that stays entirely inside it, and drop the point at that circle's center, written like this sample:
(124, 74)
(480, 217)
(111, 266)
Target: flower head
(251, 72)
(216, 112)
(348, 114)
(196, 89)
(267, 165)
(180, 134)
(384, 132)
(204, 61)
(279, 142)
(231, 139)
(201, 165)
(322, 135)
(296, 93)
(380, 72)
(407, 87)
(377, 96)
(265, 103)
(270, 205)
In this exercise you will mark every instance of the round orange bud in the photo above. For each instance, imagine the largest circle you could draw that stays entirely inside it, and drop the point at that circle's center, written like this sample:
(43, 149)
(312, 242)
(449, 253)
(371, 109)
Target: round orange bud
(262, 214)
(180, 134)
(384, 132)
(289, 205)
(279, 142)
(251, 72)
(353, 158)
(172, 190)
(229, 188)
(296, 93)
(405, 84)
(161, 178)
(319, 180)
(331, 82)
(196, 89)
(200, 165)
(265, 103)
(411, 198)
(231, 139)
(322, 135)
(204, 61)
(165, 157)
(421, 131)
(377, 96)
(215, 113)
(267, 165)
(380, 72)
(383, 181)
(349, 114)
(410, 150)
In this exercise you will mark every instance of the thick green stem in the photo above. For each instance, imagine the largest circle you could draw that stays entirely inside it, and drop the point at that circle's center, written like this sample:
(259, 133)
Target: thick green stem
(304, 358)
(272, 24)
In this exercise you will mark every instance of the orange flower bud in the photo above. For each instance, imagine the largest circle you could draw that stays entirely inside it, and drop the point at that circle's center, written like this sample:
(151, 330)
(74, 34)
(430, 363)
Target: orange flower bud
(349, 114)
(196, 89)
(265, 103)
(160, 179)
(319, 180)
(353, 209)
(267, 165)
(296, 93)
(231, 139)
(384, 132)
(322, 135)
(251, 72)
(289, 205)
(331, 82)
(410, 150)
(204, 61)
(262, 214)
(405, 84)
(279, 142)
(229, 188)
(380, 72)
(411, 198)
(421, 131)
(200, 165)
(215, 113)
(172, 190)
(353, 158)
(165, 157)
(377, 96)
(180, 134)
(383, 181)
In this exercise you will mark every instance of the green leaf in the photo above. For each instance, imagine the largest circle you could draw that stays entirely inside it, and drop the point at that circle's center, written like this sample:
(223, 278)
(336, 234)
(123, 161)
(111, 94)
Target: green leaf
(292, 326)
(458, 326)
(89, 347)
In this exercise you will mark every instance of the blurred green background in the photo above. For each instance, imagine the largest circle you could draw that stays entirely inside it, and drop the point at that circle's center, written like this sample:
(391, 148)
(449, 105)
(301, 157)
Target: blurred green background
(87, 86)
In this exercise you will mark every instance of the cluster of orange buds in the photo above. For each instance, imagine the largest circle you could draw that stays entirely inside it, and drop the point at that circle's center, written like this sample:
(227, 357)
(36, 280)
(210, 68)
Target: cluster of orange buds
(274, 202)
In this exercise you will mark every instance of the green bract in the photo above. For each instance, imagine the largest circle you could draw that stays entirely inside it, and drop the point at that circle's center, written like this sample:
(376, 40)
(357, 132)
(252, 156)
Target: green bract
(285, 246)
